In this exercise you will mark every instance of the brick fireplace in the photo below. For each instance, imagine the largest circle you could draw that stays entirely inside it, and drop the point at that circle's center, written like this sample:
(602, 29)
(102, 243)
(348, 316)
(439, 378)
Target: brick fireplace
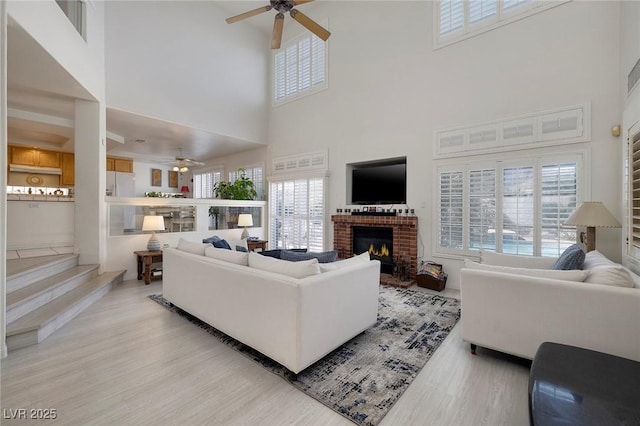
(405, 239)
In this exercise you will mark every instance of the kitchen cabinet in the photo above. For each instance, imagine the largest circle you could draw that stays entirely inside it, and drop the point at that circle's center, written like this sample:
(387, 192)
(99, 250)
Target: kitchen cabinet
(34, 157)
(119, 165)
(68, 169)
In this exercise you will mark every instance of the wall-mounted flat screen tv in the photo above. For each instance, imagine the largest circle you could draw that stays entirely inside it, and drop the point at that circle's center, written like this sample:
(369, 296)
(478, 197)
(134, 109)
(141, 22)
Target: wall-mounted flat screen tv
(379, 183)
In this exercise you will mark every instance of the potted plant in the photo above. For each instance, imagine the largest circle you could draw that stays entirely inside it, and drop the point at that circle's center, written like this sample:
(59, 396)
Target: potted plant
(242, 188)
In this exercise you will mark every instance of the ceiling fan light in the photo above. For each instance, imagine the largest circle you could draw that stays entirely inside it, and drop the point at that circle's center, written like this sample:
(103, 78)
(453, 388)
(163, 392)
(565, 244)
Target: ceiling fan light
(176, 168)
(183, 169)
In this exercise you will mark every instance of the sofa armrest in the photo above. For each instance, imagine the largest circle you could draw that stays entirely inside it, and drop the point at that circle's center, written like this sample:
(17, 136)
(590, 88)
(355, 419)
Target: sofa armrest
(516, 314)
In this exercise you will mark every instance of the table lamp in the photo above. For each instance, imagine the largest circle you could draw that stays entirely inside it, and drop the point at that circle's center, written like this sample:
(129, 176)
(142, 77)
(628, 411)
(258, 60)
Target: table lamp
(153, 223)
(245, 219)
(592, 215)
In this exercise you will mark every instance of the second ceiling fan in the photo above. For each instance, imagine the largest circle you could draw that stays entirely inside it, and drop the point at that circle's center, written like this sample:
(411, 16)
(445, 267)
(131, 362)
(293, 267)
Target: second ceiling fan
(283, 6)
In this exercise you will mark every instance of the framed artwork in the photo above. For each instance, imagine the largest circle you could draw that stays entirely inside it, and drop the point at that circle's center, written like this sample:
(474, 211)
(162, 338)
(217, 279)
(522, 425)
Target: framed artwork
(156, 177)
(173, 179)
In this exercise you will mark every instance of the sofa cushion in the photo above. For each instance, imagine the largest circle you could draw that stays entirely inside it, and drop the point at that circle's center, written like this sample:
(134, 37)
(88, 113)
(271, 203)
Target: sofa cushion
(571, 258)
(300, 269)
(231, 256)
(615, 275)
(192, 247)
(364, 257)
(566, 275)
(277, 253)
(515, 261)
(324, 257)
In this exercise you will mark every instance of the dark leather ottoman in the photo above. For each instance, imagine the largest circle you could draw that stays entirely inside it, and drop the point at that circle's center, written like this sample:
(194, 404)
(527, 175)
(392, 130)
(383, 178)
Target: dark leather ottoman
(575, 386)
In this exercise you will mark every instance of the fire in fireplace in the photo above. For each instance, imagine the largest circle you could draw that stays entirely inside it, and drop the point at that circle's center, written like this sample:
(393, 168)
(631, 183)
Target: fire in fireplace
(378, 241)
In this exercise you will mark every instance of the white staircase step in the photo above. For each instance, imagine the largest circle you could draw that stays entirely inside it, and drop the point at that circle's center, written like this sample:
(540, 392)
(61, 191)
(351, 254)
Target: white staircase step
(26, 299)
(22, 272)
(34, 327)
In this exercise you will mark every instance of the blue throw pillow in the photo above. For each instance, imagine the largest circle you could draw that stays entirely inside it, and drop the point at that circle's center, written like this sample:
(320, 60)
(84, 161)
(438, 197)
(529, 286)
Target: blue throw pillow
(223, 244)
(277, 252)
(571, 258)
(242, 249)
(324, 257)
(210, 240)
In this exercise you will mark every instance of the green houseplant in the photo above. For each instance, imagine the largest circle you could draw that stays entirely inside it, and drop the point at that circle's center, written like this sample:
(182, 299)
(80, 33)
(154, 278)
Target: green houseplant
(242, 188)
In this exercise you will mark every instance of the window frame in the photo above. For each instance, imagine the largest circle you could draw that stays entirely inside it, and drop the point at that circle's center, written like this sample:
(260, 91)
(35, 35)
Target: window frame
(536, 158)
(312, 89)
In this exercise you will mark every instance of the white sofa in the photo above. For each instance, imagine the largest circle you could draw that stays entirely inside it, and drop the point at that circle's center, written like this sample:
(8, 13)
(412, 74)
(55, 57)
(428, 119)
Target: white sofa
(506, 310)
(294, 321)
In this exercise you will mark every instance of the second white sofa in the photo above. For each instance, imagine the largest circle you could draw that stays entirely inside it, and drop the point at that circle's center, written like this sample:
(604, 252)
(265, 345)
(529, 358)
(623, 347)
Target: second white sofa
(506, 310)
(294, 321)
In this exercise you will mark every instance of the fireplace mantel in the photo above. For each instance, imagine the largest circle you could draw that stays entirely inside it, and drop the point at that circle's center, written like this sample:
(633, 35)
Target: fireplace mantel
(405, 235)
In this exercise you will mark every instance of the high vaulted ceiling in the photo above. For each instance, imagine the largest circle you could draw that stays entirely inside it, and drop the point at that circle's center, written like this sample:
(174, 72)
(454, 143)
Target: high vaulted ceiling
(41, 96)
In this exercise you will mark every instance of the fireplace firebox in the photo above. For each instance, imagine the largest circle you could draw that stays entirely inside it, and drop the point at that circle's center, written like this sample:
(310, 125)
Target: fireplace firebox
(378, 241)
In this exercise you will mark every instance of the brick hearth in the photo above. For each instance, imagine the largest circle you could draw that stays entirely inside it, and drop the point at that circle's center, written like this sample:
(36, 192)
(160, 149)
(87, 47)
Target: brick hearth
(405, 239)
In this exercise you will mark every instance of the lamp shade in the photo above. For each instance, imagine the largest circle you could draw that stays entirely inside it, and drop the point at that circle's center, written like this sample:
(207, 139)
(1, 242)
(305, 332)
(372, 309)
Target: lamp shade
(592, 213)
(245, 219)
(184, 188)
(153, 223)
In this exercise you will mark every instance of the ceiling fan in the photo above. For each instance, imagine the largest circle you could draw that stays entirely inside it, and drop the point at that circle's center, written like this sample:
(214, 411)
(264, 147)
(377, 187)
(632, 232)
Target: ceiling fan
(284, 6)
(182, 163)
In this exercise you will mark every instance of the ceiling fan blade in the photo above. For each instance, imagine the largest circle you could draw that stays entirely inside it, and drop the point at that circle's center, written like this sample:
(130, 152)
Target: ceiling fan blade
(299, 2)
(310, 24)
(194, 162)
(276, 37)
(248, 14)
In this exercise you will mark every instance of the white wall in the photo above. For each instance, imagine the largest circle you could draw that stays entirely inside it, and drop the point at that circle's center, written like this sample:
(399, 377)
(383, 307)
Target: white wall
(143, 178)
(37, 224)
(389, 91)
(47, 24)
(181, 62)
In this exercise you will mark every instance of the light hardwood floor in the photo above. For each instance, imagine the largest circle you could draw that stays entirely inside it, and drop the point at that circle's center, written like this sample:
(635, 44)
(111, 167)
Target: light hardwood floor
(126, 360)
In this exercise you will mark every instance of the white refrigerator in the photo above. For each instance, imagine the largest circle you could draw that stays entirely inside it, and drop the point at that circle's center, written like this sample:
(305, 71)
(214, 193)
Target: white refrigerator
(123, 218)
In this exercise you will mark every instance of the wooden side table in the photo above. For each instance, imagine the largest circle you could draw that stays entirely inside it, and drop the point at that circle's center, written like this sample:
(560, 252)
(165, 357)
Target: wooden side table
(147, 262)
(254, 244)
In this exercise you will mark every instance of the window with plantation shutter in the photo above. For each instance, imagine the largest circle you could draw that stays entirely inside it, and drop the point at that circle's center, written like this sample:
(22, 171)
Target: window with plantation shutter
(634, 193)
(515, 207)
(451, 210)
(296, 214)
(299, 68)
(203, 183)
(482, 209)
(456, 20)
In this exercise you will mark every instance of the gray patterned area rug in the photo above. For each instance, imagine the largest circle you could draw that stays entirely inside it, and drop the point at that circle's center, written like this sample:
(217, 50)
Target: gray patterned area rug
(363, 378)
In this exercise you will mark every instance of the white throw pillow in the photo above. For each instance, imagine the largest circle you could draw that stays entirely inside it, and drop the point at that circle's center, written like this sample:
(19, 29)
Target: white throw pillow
(501, 259)
(605, 271)
(570, 275)
(615, 275)
(191, 247)
(361, 258)
(232, 256)
(300, 269)
(595, 258)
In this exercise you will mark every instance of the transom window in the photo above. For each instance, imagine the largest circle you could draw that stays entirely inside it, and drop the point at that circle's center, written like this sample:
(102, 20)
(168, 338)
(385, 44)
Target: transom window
(299, 68)
(516, 207)
(460, 19)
